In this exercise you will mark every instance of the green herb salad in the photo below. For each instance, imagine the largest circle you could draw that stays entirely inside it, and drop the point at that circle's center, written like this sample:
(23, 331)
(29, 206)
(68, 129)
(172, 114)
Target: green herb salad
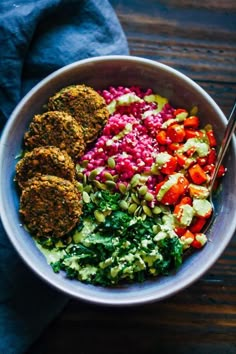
(111, 244)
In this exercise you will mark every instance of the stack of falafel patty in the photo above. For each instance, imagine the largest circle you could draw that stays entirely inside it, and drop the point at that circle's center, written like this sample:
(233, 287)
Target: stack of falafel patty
(50, 202)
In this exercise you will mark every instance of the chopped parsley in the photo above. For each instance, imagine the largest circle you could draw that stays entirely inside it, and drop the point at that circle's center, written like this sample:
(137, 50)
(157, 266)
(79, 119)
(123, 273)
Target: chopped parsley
(122, 248)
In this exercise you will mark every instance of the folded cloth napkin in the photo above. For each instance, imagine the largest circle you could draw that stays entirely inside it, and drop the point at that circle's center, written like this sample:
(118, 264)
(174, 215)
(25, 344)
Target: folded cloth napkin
(36, 38)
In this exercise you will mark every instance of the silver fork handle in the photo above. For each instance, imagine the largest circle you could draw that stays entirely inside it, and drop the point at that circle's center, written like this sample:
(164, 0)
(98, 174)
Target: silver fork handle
(225, 143)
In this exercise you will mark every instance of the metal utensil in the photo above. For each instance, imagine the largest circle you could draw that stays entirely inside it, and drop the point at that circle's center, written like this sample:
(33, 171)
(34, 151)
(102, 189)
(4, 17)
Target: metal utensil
(223, 148)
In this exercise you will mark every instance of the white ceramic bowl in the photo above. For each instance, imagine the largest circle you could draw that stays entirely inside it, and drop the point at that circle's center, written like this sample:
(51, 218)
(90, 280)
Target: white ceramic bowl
(99, 73)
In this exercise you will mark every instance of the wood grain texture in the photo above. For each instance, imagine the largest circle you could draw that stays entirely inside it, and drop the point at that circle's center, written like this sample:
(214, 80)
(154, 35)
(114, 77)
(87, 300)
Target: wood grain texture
(195, 37)
(199, 39)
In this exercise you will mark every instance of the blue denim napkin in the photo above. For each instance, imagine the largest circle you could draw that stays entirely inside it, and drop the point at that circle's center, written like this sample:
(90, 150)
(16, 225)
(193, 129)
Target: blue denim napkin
(36, 38)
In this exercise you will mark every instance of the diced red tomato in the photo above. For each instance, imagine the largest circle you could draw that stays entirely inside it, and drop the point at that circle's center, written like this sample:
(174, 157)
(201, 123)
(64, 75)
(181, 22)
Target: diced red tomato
(183, 184)
(191, 151)
(184, 161)
(211, 138)
(162, 137)
(174, 146)
(192, 133)
(209, 169)
(196, 244)
(197, 224)
(186, 200)
(211, 158)
(162, 148)
(176, 133)
(197, 171)
(181, 159)
(170, 166)
(197, 174)
(180, 230)
(202, 161)
(177, 209)
(191, 122)
(172, 195)
(221, 171)
(178, 111)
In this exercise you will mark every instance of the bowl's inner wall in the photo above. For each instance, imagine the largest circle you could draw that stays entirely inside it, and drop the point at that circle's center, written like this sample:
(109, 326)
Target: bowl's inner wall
(102, 74)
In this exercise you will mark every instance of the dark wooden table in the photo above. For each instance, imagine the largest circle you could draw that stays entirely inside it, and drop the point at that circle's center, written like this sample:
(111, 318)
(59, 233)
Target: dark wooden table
(198, 37)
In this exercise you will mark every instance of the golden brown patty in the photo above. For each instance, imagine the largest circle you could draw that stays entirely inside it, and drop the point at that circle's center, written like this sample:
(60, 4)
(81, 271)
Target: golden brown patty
(44, 160)
(50, 206)
(57, 129)
(84, 104)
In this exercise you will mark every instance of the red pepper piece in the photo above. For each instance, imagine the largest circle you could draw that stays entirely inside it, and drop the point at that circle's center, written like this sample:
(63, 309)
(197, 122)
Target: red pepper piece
(180, 231)
(191, 133)
(162, 137)
(174, 146)
(186, 200)
(183, 184)
(181, 159)
(209, 169)
(197, 224)
(197, 174)
(176, 133)
(170, 166)
(178, 111)
(196, 244)
(191, 151)
(202, 161)
(172, 195)
(221, 171)
(191, 122)
(211, 158)
(211, 138)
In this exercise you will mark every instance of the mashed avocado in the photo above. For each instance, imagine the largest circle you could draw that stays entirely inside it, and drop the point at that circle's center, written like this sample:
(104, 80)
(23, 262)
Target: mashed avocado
(202, 147)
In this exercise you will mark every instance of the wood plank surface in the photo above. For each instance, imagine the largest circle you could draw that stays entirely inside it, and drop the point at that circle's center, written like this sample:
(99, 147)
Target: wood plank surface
(199, 39)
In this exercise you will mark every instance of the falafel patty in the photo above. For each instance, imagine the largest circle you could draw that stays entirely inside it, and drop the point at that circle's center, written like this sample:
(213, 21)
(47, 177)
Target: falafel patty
(85, 105)
(44, 160)
(58, 129)
(50, 206)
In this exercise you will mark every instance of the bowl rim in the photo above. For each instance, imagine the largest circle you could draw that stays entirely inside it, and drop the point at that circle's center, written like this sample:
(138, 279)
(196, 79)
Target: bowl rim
(154, 296)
